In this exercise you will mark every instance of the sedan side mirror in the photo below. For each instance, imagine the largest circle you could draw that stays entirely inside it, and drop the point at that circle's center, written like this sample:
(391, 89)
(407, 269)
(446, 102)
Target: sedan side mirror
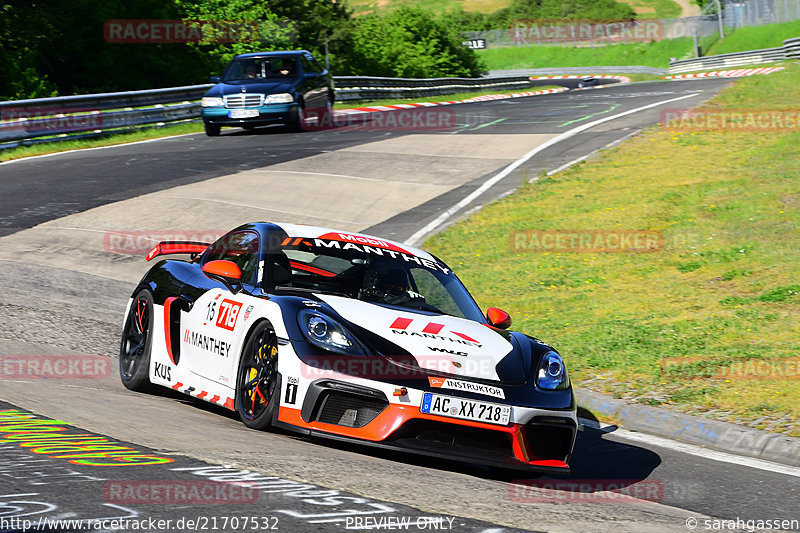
(498, 318)
(226, 272)
(214, 79)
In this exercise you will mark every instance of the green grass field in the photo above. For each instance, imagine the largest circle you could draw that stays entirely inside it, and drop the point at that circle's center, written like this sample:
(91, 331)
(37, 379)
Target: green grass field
(707, 325)
(755, 38)
(655, 54)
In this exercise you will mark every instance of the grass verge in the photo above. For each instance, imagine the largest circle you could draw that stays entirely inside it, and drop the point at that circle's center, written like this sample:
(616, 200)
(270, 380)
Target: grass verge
(119, 138)
(709, 324)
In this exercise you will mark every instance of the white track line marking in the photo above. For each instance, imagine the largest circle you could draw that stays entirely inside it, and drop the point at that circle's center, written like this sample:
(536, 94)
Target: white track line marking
(441, 219)
(344, 176)
(699, 451)
(316, 174)
(261, 208)
(28, 158)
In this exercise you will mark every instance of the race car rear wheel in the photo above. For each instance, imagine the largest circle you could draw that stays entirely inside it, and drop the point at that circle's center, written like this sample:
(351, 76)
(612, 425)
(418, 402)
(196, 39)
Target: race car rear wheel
(137, 343)
(257, 387)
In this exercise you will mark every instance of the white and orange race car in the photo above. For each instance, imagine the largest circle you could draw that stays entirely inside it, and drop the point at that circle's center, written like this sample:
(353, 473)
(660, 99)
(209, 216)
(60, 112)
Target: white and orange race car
(351, 337)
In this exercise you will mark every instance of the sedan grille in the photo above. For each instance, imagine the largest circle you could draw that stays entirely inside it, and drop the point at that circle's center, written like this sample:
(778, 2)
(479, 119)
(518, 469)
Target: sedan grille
(244, 100)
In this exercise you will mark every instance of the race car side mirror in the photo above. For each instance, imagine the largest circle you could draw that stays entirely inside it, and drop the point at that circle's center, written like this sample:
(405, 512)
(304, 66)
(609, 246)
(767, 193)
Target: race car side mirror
(498, 318)
(226, 272)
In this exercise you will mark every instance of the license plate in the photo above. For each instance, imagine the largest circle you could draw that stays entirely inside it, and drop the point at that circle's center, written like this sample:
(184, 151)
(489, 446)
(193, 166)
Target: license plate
(489, 413)
(243, 113)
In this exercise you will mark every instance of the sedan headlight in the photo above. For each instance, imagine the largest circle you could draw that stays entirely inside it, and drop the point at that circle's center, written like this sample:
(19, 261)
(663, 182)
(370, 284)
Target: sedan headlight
(211, 101)
(552, 374)
(281, 98)
(324, 332)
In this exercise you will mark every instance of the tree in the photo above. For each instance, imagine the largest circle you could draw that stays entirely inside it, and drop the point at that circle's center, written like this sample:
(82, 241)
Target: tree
(409, 42)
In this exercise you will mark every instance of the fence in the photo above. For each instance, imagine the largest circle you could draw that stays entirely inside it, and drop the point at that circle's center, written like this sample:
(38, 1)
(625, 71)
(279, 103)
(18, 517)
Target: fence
(789, 50)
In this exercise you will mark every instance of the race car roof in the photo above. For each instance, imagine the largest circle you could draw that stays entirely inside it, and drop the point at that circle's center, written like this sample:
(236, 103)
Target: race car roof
(316, 232)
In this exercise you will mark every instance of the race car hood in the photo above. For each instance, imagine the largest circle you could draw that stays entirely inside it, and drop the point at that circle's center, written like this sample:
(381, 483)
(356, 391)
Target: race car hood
(441, 343)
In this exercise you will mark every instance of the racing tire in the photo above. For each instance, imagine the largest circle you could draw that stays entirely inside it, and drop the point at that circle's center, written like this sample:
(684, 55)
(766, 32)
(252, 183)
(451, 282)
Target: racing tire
(327, 119)
(212, 130)
(298, 122)
(137, 343)
(258, 381)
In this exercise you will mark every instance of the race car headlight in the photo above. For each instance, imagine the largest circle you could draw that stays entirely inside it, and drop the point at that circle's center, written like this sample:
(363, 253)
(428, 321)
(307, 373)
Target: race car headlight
(211, 101)
(552, 374)
(281, 98)
(324, 332)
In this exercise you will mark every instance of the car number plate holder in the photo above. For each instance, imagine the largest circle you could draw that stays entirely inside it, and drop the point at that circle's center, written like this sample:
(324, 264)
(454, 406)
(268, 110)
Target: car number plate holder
(243, 113)
(465, 409)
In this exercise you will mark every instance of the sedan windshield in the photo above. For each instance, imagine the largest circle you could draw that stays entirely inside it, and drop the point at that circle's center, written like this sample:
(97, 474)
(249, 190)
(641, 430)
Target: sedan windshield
(257, 68)
(384, 276)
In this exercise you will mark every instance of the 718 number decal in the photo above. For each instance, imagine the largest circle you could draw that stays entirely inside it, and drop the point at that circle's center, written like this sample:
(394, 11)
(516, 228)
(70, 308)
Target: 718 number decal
(228, 314)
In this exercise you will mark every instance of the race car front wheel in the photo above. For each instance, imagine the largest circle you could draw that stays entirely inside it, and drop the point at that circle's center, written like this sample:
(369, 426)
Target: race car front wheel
(257, 387)
(137, 342)
(212, 130)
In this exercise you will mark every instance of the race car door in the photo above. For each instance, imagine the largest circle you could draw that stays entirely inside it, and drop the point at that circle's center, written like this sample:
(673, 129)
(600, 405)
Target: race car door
(210, 330)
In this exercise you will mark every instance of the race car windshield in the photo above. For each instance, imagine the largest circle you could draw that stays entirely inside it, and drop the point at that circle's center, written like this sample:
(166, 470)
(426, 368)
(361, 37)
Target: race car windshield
(261, 68)
(374, 275)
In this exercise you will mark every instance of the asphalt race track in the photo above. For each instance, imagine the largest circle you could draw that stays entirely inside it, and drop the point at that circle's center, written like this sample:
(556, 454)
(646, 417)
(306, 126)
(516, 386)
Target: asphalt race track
(65, 281)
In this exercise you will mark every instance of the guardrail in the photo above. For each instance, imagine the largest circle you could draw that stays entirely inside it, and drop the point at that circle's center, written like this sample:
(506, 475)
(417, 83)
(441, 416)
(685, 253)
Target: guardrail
(369, 88)
(792, 48)
(789, 50)
(73, 117)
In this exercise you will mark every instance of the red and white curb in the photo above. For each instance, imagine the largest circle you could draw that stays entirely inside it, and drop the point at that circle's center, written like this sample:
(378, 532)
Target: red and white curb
(622, 79)
(481, 98)
(725, 73)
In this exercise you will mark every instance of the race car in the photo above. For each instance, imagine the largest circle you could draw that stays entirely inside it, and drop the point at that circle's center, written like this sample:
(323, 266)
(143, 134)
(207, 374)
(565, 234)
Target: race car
(351, 337)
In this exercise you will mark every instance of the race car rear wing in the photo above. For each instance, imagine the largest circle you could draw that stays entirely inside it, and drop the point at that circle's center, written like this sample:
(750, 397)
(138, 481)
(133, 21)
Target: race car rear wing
(178, 247)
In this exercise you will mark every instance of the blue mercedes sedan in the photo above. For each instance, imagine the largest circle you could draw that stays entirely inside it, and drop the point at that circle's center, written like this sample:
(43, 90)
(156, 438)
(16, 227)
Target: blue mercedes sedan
(257, 89)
